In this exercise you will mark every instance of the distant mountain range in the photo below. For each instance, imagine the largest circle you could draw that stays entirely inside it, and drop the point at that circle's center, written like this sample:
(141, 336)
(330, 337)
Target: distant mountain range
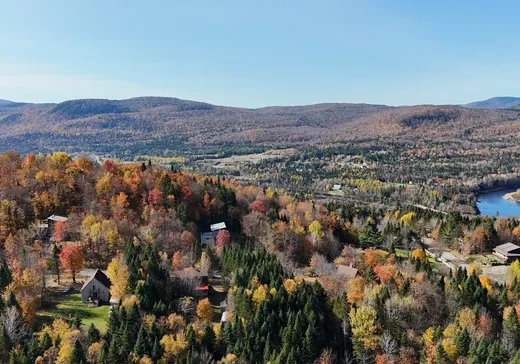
(168, 126)
(504, 102)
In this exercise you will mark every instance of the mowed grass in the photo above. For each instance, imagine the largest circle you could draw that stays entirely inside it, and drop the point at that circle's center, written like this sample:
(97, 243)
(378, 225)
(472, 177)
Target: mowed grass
(67, 306)
(403, 253)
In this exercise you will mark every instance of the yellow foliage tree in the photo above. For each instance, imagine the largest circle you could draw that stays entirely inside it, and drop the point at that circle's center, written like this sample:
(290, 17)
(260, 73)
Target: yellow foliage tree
(259, 295)
(177, 261)
(65, 354)
(173, 347)
(450, 348)
(467, 319)
(289, 285)
(514, 270)
(316, 229)
(205, 310)
(355, 289)
(407, 218)
(117, 271)
(364, 326)
(486, 282)
(419, 254)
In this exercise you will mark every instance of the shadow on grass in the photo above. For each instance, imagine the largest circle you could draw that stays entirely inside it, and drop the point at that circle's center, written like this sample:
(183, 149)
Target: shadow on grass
(67, 306)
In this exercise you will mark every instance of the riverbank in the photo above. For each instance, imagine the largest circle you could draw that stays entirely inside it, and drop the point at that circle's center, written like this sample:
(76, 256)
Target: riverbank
(512, 196)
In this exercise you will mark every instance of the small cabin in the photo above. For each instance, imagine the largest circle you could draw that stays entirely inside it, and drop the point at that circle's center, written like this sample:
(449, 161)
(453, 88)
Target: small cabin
(207, 238)
(216, 227)
(347, 272)
(96, 288)
(507, 253)
(50, 224)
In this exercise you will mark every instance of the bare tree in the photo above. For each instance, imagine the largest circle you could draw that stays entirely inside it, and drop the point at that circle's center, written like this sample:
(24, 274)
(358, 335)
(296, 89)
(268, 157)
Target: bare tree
(15, 328)
(388, 345)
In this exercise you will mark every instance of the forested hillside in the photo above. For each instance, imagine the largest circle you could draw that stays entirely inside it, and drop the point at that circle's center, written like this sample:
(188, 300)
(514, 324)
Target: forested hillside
(300, 282)
(169, 127)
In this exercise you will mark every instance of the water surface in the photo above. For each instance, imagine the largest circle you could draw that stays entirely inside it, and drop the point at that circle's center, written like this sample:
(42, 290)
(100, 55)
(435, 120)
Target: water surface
(492, 202)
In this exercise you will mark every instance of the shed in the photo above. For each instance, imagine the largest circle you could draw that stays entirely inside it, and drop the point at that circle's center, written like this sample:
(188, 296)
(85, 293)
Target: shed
(507, 253)
(96, 288)
(50, 224)
(207, 238)
(217, 226)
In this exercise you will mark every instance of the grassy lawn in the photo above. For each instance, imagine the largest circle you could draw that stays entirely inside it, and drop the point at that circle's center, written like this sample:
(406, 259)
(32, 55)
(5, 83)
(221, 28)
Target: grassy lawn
(403, 253)
(67, 306)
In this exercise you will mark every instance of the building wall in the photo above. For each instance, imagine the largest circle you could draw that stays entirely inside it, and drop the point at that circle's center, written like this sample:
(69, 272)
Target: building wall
(103, 292)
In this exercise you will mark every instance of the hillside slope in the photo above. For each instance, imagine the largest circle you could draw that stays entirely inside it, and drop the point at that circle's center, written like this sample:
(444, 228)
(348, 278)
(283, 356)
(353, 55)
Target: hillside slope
(506, 102)
(167, 126)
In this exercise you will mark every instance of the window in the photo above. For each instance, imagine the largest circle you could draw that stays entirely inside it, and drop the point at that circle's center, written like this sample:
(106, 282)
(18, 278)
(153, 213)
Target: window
(93, 286)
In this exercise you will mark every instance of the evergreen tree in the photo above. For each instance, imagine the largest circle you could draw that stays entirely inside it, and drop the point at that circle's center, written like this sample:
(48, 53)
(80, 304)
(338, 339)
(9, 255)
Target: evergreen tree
(516, 358)
(141, 343)
(440, 355)
(93, 335)
(78, 354)
(462, 342)
(496, 354)
(369, 235)
(511, 332)
(157, 351)
(5, 345)
(209, 339)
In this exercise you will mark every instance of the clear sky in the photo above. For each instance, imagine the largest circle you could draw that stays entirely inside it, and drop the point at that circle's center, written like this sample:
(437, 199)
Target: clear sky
(257, 53)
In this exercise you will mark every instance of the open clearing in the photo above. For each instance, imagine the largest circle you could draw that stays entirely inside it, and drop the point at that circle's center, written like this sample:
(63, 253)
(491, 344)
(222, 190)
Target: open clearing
(67, 306)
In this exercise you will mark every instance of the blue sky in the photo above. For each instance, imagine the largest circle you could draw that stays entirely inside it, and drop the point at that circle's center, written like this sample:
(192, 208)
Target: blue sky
(259, 53)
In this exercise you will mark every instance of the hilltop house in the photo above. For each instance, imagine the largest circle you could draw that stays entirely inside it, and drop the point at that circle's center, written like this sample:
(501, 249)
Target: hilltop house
(507, 253)
(50, 224)
(96, 288)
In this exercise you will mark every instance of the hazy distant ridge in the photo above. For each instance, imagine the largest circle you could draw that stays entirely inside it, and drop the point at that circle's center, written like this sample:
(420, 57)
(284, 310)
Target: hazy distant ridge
(504, 102)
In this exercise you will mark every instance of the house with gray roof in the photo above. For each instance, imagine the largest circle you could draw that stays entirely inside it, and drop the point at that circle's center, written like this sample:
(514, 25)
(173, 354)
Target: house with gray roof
(507, 253)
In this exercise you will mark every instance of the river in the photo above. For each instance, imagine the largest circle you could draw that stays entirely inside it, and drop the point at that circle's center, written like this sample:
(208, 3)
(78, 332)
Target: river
(492, 202)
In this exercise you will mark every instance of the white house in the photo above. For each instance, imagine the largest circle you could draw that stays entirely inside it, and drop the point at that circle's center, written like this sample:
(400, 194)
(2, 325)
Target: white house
(96, 288)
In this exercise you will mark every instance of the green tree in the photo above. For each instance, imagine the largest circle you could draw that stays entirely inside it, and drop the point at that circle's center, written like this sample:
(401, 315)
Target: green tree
(369, 235)
(78, 354)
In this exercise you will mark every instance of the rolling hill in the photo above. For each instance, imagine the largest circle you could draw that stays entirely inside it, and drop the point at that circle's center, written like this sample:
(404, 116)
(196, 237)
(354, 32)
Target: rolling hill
(506, 102)
(169, 126)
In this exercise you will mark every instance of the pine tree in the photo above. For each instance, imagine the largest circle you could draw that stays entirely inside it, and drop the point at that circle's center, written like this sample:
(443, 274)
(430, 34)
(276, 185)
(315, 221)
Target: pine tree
(93, 334)
(156, 350)
(103, 355)
(140, 344)
(511, 332)
(46, 342)
(440, 355)
(209, 339)
(496, 355)
(462, 342)
(5, 345)
(78, 354)
(516, 358)
(369, 235)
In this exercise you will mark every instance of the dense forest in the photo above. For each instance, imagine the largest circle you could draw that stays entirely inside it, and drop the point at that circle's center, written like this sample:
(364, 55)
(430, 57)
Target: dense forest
(278, 268)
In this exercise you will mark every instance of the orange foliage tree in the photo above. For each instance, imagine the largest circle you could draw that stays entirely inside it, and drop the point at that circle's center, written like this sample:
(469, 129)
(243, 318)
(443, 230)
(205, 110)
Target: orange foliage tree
(71, 257)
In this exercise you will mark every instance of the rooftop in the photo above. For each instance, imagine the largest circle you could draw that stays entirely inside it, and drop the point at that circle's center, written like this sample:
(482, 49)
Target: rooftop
(218, 226)
(100, 276)
(508, 247)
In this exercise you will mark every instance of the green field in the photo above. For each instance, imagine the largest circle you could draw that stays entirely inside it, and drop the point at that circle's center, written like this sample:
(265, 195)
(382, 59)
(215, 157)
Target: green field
(67, 306)
(403, 253)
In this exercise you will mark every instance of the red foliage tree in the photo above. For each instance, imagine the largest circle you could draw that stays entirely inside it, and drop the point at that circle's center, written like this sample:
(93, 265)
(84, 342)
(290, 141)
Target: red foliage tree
(71, 257)
(223, 238)
(59, 231)
(155, 197)
(257, 206)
